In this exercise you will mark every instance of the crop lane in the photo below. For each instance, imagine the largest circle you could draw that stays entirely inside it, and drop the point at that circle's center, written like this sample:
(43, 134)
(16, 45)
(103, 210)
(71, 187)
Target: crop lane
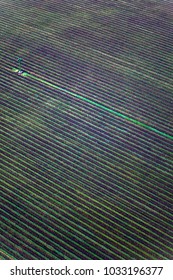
(59, 221)
(87, 132)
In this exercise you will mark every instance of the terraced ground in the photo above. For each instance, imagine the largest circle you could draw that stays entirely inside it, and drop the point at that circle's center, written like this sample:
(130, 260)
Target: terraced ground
(87, 130)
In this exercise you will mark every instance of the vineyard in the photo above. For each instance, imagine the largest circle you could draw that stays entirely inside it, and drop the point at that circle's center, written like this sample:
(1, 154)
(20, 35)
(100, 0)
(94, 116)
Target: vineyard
(87, 129)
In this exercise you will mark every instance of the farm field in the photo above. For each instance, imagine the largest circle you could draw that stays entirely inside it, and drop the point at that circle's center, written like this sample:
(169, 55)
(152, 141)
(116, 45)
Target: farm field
(87, 129)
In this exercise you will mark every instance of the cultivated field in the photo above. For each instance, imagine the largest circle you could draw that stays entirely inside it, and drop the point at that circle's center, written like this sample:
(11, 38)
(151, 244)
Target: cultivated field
(87, 129)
